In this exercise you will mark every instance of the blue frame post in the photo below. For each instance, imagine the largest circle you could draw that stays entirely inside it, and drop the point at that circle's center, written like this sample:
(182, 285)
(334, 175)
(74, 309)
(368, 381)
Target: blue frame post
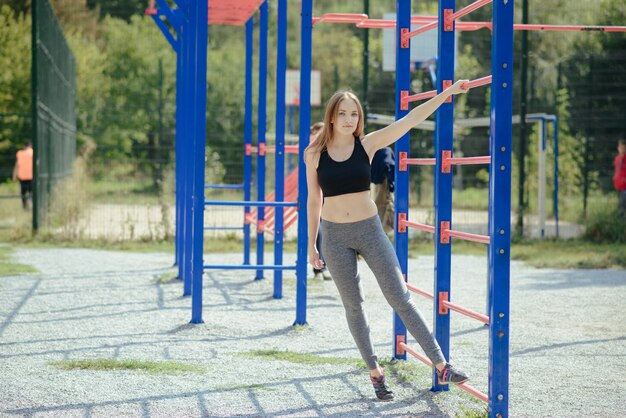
(262, 119)
(281, 68)
(247, 159)
(500, 205)
(187, 106)
(305, 121)
(199, 30)
(555, 199)
(401, 239)
(444, 138)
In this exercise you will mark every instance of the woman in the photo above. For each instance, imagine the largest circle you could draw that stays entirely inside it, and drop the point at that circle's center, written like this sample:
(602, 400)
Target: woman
(338, 174)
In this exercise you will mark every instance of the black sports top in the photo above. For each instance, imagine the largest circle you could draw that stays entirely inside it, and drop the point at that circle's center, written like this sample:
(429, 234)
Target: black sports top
(349, 176)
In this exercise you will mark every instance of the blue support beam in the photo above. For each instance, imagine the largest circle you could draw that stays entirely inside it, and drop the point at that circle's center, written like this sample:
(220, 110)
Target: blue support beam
(199, 30)
(247, 136)
(444, 138)
(281, 68)
(403, 83)
(261, 120)
(305, 122)
(500, 206)
(187, 124)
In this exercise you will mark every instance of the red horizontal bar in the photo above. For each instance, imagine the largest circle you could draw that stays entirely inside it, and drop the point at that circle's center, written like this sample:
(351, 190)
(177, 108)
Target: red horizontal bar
(422, 227)
(419, 161)
(470, 160)
(467, 312)
(463, 386)
(483, 239)
(477, 82)
(420, 291)
(428, 94)
(469, 9)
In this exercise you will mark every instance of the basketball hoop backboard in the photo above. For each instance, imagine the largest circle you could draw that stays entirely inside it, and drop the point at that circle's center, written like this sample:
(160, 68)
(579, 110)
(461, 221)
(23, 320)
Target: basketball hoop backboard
(292, 90)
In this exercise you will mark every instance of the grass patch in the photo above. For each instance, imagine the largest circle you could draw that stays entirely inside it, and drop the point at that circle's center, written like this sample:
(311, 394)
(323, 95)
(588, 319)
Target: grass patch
(9, 268)
(152, 367)
(472, 413)
(570, 254)
(405, 371)
(299, 358)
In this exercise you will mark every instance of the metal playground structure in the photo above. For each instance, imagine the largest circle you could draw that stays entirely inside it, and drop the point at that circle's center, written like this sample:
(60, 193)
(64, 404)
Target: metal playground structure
(185, 28)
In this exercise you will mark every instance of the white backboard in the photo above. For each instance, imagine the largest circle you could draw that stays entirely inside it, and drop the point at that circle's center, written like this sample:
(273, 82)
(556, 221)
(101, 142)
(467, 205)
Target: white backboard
(292, 88)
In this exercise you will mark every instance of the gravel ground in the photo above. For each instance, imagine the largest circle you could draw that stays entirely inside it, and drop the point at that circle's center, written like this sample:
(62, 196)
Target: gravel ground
(568, 342)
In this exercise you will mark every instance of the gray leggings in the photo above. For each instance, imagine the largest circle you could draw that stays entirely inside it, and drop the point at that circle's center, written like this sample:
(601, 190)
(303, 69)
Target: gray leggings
(341, 243)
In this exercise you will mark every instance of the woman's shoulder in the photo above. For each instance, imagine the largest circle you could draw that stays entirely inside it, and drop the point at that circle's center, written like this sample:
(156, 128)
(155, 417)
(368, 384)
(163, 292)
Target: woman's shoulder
(312, 156)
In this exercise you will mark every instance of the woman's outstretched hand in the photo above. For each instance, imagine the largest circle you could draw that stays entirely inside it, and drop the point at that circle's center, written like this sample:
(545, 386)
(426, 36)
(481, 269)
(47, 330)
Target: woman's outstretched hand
(458, 88)
(314, 259)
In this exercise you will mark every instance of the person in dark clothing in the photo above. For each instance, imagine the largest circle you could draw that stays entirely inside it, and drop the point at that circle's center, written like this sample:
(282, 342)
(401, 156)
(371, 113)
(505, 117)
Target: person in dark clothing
(383, 178)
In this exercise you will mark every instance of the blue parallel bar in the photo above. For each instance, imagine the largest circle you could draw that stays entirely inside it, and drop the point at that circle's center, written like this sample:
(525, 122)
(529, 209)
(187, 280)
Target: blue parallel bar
(186, 108)
(223, 228)
(179, 151)
(262, 120)
(305, 122)
(234, 203)
(281, 68)
(501, 113)
(401, 240)
(443, 185)
(199, 30)
(224, 186)
(247, 159)
(246, 267)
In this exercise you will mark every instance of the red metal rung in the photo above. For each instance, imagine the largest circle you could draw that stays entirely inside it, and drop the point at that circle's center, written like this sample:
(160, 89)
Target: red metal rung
(151, 12)
(446, 84)
(404, 43)
(248, 149)
(445, 161)
(262, 149)
(444, 236)
(447, 21)
(401, 222)
(400, 340)
(404, 103)
(260, 226)
(403, 157)
(443, 309)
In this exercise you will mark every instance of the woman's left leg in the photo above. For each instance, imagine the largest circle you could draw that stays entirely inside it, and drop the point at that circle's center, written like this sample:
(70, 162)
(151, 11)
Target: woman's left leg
(381, 259)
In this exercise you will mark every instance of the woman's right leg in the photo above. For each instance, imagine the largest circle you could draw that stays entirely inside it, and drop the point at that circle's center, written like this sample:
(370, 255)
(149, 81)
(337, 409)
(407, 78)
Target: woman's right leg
(342, 263)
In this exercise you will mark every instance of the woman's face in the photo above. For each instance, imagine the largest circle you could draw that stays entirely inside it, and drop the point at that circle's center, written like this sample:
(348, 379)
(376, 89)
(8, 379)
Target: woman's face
(346, 119)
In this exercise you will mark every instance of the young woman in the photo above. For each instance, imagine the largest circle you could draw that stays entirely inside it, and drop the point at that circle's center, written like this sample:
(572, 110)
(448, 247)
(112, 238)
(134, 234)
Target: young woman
(338, 173)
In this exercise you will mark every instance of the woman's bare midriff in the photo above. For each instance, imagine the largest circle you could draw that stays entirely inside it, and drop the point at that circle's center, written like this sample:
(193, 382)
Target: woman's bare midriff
(351, 207)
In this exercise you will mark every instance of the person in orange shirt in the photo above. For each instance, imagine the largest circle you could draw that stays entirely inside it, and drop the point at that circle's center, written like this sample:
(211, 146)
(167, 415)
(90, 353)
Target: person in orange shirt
(23, 172)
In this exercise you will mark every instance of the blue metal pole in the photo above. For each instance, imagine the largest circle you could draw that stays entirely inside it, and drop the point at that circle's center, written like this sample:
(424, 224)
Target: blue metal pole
(187, 106)
(305, 122)
(500, 205)
(281, 68)
(292, 109)
(179, 150)
(200, 32)
(401, 239)
(544, 133)
(247, 159)
(261, 120)
(555, 199)
(444, 138)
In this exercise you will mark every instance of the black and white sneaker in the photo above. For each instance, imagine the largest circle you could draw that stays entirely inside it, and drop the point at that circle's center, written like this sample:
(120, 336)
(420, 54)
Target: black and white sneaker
(380, 387)
(451, 375)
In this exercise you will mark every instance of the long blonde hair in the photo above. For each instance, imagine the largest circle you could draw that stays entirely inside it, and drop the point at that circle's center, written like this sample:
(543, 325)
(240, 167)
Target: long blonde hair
(332, 108)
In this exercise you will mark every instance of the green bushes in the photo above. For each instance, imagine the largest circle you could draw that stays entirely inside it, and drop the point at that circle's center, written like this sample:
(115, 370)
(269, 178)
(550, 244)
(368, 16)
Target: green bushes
(605, 225)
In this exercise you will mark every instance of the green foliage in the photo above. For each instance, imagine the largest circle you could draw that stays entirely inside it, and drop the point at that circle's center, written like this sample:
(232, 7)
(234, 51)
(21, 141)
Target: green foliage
(605, 225)
(8, 267)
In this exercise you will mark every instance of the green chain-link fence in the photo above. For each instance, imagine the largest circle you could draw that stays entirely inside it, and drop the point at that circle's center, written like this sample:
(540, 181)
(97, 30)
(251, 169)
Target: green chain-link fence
(54, 107)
